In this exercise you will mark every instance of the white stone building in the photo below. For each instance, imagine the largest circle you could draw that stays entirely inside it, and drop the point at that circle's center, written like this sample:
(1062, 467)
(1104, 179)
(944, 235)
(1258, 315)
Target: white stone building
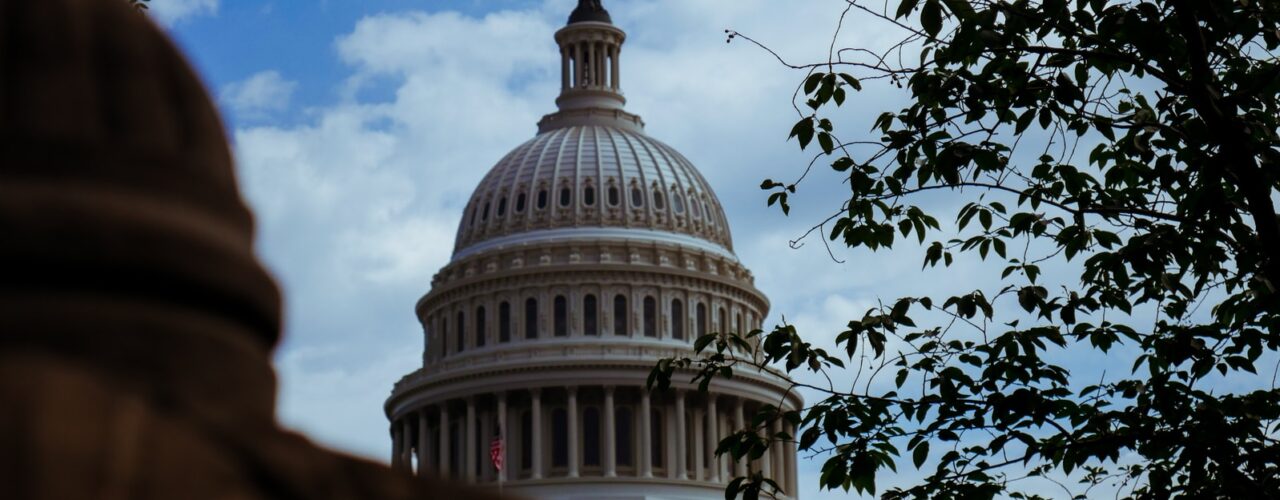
(584, 256)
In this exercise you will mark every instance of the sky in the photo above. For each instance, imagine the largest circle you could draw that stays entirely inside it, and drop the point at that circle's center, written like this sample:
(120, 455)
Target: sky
(361, 127)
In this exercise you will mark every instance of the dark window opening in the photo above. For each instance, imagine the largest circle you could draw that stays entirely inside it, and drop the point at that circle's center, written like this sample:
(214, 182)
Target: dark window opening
(724, 321)
(480, 327)
(485, 216)
(520, 203)
(650, 317)
(677, 202)
(702, 319)
(622, 437)
(504, 322)
(462, 332)
(561, 317)
(637, 197)
(474, 212)
(565, 196)
(591, 437)
(589, 315)
(542, 199)
(559, 438)
(526, 440)
(589, 196)
(444, 337)
(502, 206)
(677, 319)
(620, 315)
(655, 439)
(613, 196)
(657, 201)
(531, 318)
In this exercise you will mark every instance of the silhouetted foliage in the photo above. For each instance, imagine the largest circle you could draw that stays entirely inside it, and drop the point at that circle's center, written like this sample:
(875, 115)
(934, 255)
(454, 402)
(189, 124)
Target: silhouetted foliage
(1128, 148)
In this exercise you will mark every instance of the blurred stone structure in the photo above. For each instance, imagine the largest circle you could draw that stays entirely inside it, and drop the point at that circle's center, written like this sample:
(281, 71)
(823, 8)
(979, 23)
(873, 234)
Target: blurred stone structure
(584, 256)
(136, 324)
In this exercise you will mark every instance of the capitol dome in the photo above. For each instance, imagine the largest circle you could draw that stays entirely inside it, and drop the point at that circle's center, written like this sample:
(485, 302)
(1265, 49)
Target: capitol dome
(584, 256)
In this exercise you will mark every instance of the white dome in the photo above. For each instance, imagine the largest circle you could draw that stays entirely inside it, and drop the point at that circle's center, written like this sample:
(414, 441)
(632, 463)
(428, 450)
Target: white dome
(576, 179)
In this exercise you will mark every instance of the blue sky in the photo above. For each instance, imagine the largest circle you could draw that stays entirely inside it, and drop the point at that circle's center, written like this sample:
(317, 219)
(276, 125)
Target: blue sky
(361, 127)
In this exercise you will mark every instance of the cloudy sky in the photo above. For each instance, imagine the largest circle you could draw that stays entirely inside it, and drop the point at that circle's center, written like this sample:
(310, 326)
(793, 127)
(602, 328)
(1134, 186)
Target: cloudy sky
(361, 128)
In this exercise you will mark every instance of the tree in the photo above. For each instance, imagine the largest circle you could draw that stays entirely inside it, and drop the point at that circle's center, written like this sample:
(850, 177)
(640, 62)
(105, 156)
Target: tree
(1166, 227)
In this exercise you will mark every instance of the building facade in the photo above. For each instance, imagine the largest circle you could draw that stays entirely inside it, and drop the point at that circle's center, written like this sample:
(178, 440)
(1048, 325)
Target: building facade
(584, 256)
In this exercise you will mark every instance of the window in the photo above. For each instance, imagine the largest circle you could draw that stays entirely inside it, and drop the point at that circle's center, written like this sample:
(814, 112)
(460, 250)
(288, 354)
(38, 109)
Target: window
(737, 323)
(620, 315)
(502, 206)
(561, 317)
(526, 440)
(484, 217)
(462, 331)
(622, 437)
(474, 211)
(650, 317)
(559, 438)
(504, 322)
(613, 196)
(677, 319)
(657, 201)
(655, 439)
(589, 196)
(566, 196)
(697, 210)
(531, 318)
(589, 315)
(542, 199)
(520, 203)
(591, 437)
(724, 321)
(677, 202)
(481, 333)
(702, 319)
(637, 197)
(444, 337)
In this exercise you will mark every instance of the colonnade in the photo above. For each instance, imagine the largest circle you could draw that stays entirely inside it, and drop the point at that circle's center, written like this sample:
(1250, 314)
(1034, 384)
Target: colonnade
(587, 431)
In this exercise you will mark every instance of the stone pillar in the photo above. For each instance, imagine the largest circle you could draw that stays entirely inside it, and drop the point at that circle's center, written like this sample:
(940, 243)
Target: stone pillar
(792, 481)
(765, 464)
(696, 421)
(682, 452)
(577, 78)
(574, 432)
(740, 465)
(535, 411)
(610, 435)
(469, 458)
(502, 432)
(779, 451)
(713, 437)
(396, 453)
(424, 448)
(646, 435)
(444, 440)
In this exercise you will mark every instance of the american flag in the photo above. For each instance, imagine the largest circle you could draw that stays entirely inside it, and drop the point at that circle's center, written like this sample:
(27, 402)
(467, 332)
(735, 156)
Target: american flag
(495, 452)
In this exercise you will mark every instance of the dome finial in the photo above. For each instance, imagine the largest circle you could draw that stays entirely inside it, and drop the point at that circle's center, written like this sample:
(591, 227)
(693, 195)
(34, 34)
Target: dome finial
(590, 10)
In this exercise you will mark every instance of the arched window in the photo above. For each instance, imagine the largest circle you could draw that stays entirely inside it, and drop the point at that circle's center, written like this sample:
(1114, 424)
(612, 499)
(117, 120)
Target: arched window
(591, 437)
(677, 202)
(526, 440)
(474, 212)
(485, 216)
(613, 196)
(657, 201)
(656, 439)
(650, 317)
(697, 210)
(637, 197)
(444, 337)
(502, 206)
(589, 196)
(462, 331)
(724, 321)
(481, 333)
(531, 318)
(622, 437)
(620, 326)
(677, 319)
(737, 324)
(504, 322)
(590, 325)
(566, 196)
(561, 317)
(542, 198)
(702, 319)
(559, 438)
(520, 203)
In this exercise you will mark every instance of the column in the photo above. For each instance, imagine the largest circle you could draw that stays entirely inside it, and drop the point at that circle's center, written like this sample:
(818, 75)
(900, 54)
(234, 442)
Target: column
(613, 59)
(682, 453)
(792, 483)
(765, 464)
(646, 435)
(740, 466)
(610, 435)
(444, 440)
(696, 421)
(502, 432)
(713, 437)
(424, 449)
(779, 451)
(406, 445)
(535, 412)
(574, 431)
(469, 458)
(396, 453)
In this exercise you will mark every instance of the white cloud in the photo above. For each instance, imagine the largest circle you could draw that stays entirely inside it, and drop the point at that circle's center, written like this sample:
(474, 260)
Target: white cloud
(259, 95)
(169, 12)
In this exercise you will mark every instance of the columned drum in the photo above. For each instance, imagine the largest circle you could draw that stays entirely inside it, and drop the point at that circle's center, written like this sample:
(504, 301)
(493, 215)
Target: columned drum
(584, 256)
